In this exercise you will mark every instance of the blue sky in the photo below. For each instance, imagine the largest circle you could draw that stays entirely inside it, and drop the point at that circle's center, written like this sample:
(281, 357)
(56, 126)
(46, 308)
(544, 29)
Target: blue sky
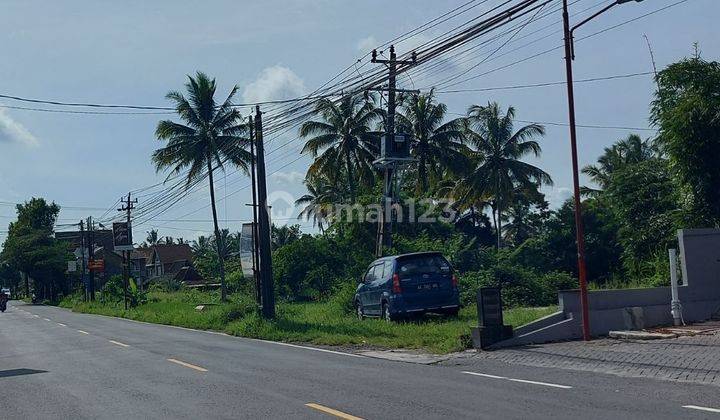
(134, 52)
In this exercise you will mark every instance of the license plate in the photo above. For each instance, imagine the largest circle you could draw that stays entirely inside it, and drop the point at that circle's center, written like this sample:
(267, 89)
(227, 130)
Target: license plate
(428, 286)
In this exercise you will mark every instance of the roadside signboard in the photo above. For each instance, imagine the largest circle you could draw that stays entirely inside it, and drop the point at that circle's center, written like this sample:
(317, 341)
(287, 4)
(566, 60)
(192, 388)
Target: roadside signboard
(246, 249)
(72, 266)
(122, 236)
(96, 265)
(490, 307)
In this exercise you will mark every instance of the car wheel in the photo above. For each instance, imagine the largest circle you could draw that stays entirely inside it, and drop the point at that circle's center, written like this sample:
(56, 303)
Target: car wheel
(385, 313)
(359, 311)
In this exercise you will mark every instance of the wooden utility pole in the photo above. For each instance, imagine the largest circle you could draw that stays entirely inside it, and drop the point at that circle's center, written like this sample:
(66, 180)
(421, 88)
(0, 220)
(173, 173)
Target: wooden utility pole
(266, 276)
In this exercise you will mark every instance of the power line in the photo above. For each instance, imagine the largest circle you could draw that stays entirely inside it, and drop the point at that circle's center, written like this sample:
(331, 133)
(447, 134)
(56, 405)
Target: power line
(598, 126)
(544, 84)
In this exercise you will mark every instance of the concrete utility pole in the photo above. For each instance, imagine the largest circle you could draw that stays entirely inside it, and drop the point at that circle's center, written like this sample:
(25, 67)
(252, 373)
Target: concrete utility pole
(82, 260)
(266, 275)
(127, 207)
(387, 163)
(256, 249)
(91, 257)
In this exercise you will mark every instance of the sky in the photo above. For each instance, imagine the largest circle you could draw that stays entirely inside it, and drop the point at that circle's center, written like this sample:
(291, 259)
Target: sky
(135, 52)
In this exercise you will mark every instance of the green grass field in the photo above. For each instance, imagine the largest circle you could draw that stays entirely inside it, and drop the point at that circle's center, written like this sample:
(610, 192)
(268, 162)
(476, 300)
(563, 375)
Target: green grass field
(316, 323)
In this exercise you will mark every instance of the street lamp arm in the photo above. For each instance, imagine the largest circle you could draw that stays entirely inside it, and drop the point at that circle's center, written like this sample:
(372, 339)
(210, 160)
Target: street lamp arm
(598, 13)
(593, 16)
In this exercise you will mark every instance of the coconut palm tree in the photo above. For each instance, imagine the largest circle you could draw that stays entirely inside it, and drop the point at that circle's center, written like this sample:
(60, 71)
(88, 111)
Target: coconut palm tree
(202, 245)
(436, 145)
(343, 141)
(321, 196)
(211, 136)
(496, 169)
(629, 150)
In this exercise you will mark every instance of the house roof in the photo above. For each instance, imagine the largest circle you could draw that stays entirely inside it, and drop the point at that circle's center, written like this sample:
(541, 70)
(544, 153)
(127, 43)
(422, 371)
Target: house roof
(189, 276)
(177, 266)
(139, 253)
(168, 254)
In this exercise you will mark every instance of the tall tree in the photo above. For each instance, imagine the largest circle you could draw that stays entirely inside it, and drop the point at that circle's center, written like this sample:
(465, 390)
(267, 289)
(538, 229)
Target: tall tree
(31, 248)
(437, 145)
(497, 169)
(343, 140)
(686, 109)
(284, 235)
(627, 151)
(152, 237)
(211, 136)
(202, 245)
(322, 194)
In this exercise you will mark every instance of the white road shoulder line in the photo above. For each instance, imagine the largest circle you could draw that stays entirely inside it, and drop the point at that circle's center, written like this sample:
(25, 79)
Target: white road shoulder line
(313, 348)
(524, 381)
(697, 407)
(119, 343)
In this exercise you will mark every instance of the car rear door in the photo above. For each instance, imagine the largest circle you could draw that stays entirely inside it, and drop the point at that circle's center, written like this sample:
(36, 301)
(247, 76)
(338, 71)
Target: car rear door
(425, 280)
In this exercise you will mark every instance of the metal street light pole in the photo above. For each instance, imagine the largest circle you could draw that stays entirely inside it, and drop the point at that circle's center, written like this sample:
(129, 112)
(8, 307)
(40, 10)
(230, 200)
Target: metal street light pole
(579, 228)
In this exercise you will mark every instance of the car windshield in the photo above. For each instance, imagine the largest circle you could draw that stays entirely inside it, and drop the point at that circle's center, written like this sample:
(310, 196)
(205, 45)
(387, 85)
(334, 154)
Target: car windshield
(423, 264)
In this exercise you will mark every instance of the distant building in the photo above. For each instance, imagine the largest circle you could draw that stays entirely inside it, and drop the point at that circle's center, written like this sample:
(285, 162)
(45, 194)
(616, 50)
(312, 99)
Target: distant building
(161, 261)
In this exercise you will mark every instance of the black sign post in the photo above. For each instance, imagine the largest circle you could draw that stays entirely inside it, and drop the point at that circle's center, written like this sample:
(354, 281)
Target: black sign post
(491, 328)
(122, 237)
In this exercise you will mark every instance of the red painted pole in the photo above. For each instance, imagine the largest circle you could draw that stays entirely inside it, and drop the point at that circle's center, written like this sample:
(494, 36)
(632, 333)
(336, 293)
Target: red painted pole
(579, 230)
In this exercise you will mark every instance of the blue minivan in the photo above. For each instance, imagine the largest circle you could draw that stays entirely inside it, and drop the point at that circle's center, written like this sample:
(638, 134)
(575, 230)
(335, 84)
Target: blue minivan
(408, 284)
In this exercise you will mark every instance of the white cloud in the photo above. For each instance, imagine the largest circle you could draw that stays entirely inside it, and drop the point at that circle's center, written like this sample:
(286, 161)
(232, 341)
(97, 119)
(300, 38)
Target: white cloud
(276, 82)
(557, 196)
(292, 177)
(367, 44)
(12, 131)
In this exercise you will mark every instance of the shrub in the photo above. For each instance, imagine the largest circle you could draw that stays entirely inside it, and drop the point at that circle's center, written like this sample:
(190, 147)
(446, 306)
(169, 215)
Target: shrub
(113, 291)
(552, 283)
(307, 269)
(520, 286)
(343, 295)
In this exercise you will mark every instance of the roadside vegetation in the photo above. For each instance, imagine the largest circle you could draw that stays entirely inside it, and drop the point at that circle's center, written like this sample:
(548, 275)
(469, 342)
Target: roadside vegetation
(330, 322)
(497, 230)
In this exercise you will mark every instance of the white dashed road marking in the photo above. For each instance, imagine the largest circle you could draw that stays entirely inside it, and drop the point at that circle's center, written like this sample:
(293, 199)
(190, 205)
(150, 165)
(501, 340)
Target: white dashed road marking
(187, 365)
(119, 343)
(697, 407)
(83, 332)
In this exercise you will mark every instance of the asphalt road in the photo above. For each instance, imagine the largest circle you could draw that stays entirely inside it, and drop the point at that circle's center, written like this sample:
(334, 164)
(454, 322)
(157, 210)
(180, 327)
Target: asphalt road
(58, 364)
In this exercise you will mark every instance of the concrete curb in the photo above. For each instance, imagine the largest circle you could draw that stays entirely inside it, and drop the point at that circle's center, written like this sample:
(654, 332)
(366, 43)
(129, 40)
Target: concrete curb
(640, 335)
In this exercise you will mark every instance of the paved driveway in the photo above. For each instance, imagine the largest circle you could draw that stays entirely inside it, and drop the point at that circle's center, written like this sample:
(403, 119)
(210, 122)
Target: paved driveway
(687, 358)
